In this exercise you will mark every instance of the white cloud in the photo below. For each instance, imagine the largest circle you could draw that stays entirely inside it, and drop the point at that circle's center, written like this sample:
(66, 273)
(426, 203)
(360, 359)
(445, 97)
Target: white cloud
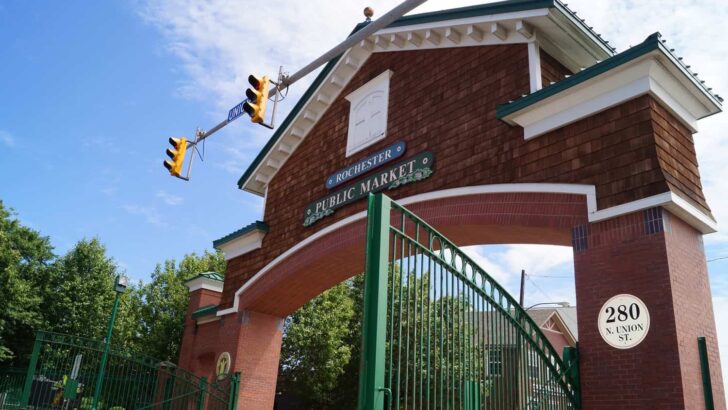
(150, 214)
(169, 199)
(7, 138)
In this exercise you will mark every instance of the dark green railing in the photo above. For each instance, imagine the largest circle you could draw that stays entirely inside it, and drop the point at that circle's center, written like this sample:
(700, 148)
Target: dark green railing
(64, 369)
(11, 387)
(440, 333)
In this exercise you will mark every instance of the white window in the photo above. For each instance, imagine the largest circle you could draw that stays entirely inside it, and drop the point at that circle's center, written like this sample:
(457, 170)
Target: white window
(368, 113)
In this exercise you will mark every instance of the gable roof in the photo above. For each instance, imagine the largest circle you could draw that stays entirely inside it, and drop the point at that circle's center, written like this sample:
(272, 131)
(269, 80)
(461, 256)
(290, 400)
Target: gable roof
(557, 25)
(651, 43)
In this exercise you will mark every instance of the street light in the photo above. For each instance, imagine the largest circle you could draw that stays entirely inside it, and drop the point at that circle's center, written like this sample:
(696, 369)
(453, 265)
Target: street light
(562, 304)
(120, 285)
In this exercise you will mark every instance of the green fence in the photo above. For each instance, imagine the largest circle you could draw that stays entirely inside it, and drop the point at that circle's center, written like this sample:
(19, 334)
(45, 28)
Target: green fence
(440, 333)
(63, 371)
(11, 387)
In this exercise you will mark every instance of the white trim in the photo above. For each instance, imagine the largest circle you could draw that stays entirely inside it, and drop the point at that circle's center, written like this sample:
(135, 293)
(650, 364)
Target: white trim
(647, 74)
(204, 283)
(534, 66)
(207, 319)
(668, 200)
(243, 244)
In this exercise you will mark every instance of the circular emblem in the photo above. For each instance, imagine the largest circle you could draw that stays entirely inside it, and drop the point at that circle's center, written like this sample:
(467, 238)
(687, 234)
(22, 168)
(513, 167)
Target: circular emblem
(624, 321)
(223, 365)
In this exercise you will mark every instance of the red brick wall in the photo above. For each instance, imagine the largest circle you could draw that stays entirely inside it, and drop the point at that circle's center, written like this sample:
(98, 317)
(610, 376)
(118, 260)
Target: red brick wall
(666, 270)
(676, 156)
(191, 348)
(449, 109)
(621, 258)
(693, 311)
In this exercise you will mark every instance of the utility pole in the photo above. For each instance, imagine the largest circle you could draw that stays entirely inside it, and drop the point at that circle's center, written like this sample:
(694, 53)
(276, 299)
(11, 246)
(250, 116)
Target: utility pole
(523, 286)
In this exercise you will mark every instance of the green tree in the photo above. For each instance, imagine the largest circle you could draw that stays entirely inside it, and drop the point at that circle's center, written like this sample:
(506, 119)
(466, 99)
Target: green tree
(315, 351)
(25, 257)
(164, 302)
(82, 291)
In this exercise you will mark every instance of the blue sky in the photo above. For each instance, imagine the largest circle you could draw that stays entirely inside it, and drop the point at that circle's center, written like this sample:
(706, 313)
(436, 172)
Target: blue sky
(92, 90)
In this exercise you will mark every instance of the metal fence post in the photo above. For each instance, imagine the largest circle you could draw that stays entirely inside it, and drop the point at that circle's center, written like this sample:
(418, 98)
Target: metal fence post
(203, 393)
(233, 400)
(371, 377)
(105, 355)
(24, 401)
(705, 372)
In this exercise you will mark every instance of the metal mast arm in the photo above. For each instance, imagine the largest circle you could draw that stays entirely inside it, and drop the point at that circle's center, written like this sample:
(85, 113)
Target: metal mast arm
(355, 38)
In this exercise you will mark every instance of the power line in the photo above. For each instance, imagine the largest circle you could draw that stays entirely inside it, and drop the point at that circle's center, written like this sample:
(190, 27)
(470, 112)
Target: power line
(548, 297)
(717, 259)
(551, 276)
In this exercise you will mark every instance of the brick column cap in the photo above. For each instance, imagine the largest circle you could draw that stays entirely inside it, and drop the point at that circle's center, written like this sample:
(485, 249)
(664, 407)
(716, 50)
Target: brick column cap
(207, 280)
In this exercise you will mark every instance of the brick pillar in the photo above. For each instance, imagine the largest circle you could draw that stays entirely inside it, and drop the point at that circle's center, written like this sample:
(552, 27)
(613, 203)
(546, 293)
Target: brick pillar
(257, 356)
(198, 298)
(658, 258)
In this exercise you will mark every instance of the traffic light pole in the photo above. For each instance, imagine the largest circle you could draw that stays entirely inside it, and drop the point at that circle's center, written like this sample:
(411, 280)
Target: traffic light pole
(355, 38)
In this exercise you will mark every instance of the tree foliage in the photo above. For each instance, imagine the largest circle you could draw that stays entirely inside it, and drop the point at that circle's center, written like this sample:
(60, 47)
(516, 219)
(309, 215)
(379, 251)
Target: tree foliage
(25, 257)
(74, 294)
(315, 352)
(165, 300)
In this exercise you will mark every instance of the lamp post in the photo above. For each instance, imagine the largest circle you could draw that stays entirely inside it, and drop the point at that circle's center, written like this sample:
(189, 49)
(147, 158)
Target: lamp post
(562, 304)
(120, 285)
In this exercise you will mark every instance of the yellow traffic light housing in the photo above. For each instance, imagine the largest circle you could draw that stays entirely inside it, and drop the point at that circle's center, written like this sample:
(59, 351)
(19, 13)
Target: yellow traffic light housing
(177, 154)
(257, 98)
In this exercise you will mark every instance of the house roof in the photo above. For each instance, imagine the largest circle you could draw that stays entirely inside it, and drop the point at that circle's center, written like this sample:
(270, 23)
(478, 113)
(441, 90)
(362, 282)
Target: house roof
(556, 25)
(566, 314)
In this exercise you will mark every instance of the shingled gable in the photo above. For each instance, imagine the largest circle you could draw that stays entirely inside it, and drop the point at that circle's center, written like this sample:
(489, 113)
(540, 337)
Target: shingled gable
(548, 25)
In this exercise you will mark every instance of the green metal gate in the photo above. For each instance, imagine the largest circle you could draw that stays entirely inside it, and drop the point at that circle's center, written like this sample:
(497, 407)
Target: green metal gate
(440, 333)
(63, 373)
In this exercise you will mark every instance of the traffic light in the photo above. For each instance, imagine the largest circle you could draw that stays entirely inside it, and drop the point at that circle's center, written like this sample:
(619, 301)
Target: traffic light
(257, 98)
(177, 154)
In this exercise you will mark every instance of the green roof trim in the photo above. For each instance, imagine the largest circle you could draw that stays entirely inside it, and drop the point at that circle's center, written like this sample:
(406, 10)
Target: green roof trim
(208, 275)
(500, 7)
(652, 43)
(255, 226)
(204, 311)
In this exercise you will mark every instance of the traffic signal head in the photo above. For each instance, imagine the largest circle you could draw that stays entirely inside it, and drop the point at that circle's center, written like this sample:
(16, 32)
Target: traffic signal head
(257, 98)
(177, 155)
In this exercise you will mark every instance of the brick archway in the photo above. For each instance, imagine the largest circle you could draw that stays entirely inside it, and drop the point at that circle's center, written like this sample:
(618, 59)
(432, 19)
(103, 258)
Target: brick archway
(464, 215)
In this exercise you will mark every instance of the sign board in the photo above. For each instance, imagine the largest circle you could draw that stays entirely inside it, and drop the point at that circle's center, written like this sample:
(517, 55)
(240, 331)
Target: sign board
(222, 368)
(624, 321)
(236, 111)
(367, 164)
(413, 169)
